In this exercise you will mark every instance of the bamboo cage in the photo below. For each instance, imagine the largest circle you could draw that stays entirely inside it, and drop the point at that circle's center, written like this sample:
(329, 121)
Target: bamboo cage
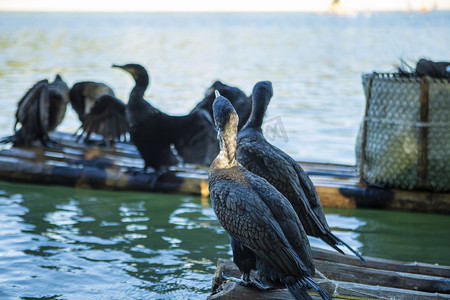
(404, 138)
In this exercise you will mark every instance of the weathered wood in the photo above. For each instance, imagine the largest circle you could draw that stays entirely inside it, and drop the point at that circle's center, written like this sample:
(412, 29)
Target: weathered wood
(422, 155)
(379, 263)
(119, 168)
(232, 291)
(335, 287)
(93, 176)
(370, 276)
(364, 133)
(354, 291)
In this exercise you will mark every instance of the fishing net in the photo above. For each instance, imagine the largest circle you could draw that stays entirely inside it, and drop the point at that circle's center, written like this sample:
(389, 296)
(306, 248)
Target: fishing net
(404, 138)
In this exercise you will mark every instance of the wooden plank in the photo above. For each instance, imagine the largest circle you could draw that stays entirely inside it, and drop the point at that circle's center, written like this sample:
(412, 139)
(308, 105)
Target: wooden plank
(233, 291)
(364, 133)
(422, 155)
(61, 173)
(338, 289)
(337, 185)
(409, 281)
(329, 169)
(352, 290)
(379, 263)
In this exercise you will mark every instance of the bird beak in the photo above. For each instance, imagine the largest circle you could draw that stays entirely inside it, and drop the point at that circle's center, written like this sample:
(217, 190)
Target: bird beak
(126, 69)
(217, 93)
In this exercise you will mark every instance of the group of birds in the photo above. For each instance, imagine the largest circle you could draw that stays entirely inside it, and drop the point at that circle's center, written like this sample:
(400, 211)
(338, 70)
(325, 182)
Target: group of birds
(261, 196)
(266, 202)
(162, 140)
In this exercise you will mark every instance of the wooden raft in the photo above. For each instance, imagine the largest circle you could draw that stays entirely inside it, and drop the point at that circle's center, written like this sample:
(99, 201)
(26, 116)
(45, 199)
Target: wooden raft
(120, 168)
(346, 277)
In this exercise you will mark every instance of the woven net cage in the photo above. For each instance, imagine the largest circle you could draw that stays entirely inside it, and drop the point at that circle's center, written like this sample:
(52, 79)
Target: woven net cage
(404, 138)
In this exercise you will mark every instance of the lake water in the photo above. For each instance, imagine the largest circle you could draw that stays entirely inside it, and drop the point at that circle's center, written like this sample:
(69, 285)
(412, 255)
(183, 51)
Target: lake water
(63, 243)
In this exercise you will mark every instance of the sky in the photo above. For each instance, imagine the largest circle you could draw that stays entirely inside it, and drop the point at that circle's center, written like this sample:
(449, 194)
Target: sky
(213, 5)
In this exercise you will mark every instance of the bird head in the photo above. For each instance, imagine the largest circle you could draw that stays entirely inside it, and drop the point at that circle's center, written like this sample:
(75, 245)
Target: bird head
(225, 116)
(136, 70)
(263, 92)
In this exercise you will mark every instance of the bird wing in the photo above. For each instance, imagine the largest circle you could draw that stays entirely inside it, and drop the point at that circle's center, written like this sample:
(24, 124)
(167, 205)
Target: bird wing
(286, 217)
(29, 114)
(251, 221)
(28, 102)
(44, 109)
(84, 93)
(284, 173)
(198, 142)
(237, 97)
(311, 194)
(58, 98)
(107, 118)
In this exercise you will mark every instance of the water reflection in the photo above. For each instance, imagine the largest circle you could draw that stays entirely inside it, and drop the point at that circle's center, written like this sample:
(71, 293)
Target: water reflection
(315, 62)
(115, 245)
(395, 235)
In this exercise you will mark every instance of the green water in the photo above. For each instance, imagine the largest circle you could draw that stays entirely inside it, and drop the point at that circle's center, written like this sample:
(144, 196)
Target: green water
(401, 236)
(65, 243)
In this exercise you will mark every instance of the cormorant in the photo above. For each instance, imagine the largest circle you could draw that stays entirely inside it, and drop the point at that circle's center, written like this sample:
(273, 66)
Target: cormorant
(265, 231)
(440, 69)
(83, 95)
(238, 99)
(107, 118)
(99, 111)
(40, 111)
(153, 132)
(260, 157)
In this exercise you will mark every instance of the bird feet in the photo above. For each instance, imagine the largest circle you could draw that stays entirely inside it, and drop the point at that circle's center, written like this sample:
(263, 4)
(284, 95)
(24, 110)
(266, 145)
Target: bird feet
(51, 144)
(248, 281)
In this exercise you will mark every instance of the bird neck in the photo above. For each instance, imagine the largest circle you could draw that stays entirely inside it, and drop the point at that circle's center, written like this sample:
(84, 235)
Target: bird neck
(227, 155)
(137, 93)
(256, 117)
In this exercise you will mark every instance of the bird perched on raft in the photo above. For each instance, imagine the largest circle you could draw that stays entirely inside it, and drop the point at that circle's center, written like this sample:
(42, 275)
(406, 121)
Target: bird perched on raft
(237, 97)
(39, 112)
(83, 95)
(153, 132)
(260, 157)
(107, 118)
(99, 111)
(265, 231)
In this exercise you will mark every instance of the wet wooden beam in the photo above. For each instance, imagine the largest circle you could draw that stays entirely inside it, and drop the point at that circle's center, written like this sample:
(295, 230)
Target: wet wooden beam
(119, 167)
(375, 279)
(104, 177)
(384, 264)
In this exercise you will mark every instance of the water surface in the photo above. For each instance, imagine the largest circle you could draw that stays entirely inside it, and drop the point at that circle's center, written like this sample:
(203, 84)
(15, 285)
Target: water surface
(64, 243)
(87, 244)
(314, 61)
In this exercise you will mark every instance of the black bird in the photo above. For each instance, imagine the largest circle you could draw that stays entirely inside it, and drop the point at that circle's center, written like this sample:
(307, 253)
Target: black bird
(83, 95)
(440, 69)
(40, 111)
(260, 157)
(266, 233)
(153, 132)
(237, 97)
(99, 111)
(107, 118)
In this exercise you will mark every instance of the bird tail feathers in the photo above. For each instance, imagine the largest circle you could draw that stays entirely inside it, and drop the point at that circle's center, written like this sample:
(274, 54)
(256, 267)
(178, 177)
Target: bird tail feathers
(298, 291)
(310, 283)
(338, 241)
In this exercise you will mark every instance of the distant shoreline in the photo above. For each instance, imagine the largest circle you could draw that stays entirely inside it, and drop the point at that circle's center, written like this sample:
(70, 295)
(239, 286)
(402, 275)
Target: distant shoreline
(251, 6)
(2, 10)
